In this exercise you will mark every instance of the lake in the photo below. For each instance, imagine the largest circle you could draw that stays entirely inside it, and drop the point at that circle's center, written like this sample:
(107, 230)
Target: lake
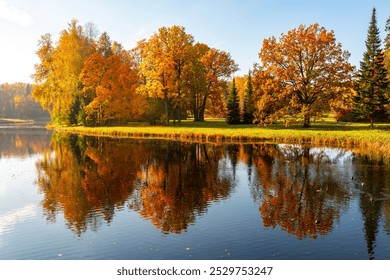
(77, 197)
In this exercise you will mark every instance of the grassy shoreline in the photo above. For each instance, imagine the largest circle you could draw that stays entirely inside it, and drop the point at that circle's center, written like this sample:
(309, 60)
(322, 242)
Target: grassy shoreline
(327, 133)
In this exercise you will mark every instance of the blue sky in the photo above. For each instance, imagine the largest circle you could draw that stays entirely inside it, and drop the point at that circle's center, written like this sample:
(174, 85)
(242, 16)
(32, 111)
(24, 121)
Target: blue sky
(236, 26)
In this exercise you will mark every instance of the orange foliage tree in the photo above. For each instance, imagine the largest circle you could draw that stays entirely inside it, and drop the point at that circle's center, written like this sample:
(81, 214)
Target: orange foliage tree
(268, 107)
(311, 69)
(183, 74)
(110, 79)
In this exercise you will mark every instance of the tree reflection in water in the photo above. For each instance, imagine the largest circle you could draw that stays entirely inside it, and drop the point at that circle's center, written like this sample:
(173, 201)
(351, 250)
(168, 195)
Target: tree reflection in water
(22, 142)
(88, 178)
(297, 191)
(169, 183)
(177, 183)
(373, 183)
(301, 190)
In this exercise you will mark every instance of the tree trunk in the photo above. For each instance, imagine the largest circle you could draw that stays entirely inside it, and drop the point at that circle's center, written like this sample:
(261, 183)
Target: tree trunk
(202, 109)
(174, 115)
(371, 122)
(196, 113)
(306, 121)
(166, 113)
(201, 115)
(166, 107)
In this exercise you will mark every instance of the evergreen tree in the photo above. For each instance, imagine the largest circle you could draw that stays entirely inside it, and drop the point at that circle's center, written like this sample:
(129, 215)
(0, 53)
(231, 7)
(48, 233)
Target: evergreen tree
(387, 48)
(249, 108)
(387, 61)
(372, 84)
(233, 106)
(104, 45)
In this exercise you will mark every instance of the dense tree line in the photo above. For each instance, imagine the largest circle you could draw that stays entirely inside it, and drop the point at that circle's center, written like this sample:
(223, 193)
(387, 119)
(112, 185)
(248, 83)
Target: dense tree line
(304, 75)
(82, 79)
(16, 101)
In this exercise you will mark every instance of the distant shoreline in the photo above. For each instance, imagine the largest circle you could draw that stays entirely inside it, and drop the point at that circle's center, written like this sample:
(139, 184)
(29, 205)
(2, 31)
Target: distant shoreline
(8, 120)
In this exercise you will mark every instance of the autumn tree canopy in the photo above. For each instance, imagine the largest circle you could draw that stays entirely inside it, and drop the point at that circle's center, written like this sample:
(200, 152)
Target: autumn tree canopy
(185, 75)
(83, 78)
(219, 67)
(311, 69)
(58, 86)
(110, 79)
(165, 64)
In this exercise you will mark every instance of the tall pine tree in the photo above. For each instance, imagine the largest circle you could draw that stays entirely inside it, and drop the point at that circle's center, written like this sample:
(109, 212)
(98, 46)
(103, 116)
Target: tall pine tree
(233, 106)
(372, 84)
(249, 108)
(387, 48)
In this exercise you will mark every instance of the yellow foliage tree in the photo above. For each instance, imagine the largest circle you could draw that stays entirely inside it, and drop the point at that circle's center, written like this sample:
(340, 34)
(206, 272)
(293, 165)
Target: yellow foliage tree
(57, 74)
(165, 64)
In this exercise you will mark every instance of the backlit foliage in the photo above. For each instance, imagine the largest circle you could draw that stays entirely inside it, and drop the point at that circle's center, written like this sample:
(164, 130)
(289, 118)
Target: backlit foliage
(57, 75)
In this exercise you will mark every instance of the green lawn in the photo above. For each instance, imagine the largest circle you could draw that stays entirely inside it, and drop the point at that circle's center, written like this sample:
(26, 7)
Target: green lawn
(327, 132)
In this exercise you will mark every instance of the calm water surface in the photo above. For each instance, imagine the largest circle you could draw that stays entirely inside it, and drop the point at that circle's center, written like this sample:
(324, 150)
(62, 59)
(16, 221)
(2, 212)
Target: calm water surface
(73, 197)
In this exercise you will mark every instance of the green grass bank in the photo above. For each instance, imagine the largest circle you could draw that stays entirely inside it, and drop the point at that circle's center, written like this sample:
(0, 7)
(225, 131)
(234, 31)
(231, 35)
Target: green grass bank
(326, 133)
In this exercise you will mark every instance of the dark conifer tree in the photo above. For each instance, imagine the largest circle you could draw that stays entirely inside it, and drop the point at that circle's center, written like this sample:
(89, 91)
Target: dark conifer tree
(387, 48)
(372, 83)
(233, 106)
(249, 107)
